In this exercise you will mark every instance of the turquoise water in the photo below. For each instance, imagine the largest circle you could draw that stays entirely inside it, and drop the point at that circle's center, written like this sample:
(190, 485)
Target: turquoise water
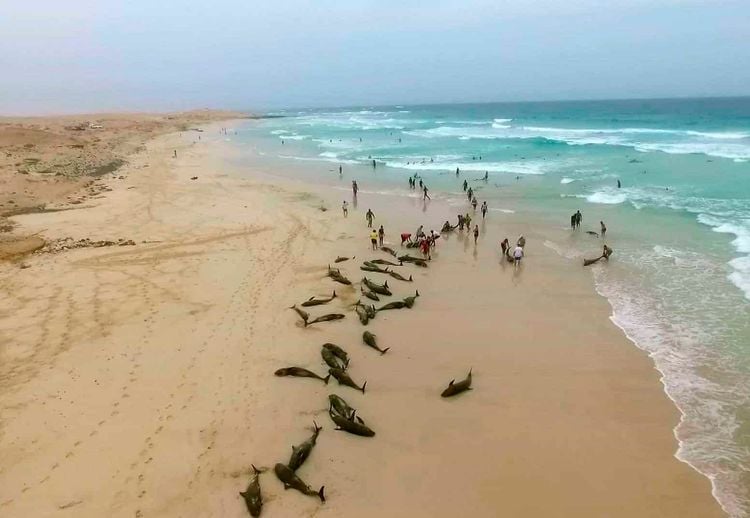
(680, 222)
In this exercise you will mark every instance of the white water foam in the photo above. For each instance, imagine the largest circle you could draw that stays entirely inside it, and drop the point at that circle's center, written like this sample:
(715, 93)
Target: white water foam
(566, 180)
(517, 167)
(740, 275)
(607, 197)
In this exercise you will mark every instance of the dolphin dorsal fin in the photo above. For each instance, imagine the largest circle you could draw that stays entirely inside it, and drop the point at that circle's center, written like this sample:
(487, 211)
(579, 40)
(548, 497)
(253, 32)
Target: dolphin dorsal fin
(451, 383)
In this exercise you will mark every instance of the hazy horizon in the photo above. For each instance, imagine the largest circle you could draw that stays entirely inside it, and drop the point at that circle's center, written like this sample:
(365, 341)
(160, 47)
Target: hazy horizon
(95, 56)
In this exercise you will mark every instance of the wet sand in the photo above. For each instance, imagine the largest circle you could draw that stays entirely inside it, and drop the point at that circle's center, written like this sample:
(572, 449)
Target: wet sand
(138, 381)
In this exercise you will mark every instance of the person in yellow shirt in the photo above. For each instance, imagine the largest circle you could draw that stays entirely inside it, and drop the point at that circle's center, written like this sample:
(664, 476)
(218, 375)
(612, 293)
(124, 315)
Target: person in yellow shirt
(374, 239)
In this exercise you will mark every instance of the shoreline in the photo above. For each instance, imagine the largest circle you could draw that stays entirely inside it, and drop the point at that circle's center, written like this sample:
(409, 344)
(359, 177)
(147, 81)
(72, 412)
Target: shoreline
(295, 209)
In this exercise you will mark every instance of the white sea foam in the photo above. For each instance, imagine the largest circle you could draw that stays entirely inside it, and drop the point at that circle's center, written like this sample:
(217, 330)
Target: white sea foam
(566, 180)
(517, 168)
(607, 197)
(740, 275)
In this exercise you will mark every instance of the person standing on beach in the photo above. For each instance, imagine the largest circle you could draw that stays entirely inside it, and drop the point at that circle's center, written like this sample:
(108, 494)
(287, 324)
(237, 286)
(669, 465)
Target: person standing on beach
(474, 203)
(460, 222)
(603, 228)
(521, 241)
(424, 246)
(486, 173)
(175, 153)
(505, 246)
(579, 218)
(467, 221)
(457, 176)
(484, 209)
(374, 164)
(345, 208)
(573, 221)
(476, 234)
(374, 239)
(426, 196)
(381, 235)
(619, 184)
(517, 255)
(466, 185)
(470, 193)
(354, 187)
(369, 215)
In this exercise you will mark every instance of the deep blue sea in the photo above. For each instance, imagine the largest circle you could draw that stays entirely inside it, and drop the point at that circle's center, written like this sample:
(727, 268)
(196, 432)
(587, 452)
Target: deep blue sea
(679, 222)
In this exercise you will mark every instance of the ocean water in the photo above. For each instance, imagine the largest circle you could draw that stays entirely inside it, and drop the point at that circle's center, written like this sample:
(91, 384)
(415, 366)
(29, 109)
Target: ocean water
(679, 286)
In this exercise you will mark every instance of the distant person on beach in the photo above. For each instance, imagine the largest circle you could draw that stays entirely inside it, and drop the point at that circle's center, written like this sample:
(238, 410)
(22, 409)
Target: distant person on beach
(619, 184)
(517, 255)
(369, 215)
(460, 222)
(467, 221)
(603, 228)
(420, 232)
(345, 208)
(521, 241)
(457, 172)
(466, 185)
(573, 221)
(341, 170)
(426, 196)
(486, 173)
(421, 185)
(374, 164)
(606, 252)
(405, 238)
(505, 246)
(355, 188)
(579, 218)
(484, 209)
(374, 239)
(470, 193)
(474, 203)
(175, 153)
(476, 233)
(381, 235)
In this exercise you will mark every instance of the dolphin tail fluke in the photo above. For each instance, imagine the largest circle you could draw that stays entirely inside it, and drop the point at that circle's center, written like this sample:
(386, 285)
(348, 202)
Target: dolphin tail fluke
(410, 279)
(470, 369)
(384, 350)
(243, 493)
(346, 363)
(385, 284)
(255, 470)
(416, 293)
(363, 387)
(311, 297)
(316, 427)
(334, 294)
(325, 380)
(321, 494)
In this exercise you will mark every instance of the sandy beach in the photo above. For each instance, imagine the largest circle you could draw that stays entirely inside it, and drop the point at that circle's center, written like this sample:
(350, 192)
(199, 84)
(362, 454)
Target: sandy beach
(136, 377)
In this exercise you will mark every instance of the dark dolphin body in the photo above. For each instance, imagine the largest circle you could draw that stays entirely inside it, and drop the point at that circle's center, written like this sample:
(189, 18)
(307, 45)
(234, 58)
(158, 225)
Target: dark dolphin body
(364, 317)
(383, 261)
(396, 304)
(290, 479)
(351, 426)
(344, 379)
(302, 451)
(400, 277)
(252, 496)
(325, 318)
(370, 295)
(299, 372)
(340, 407)
(414, 260)
(312, 301)
(377, 288)
(341, 259)
(456, 388)
(409, 301)
(335, 274)
(369, 339)
(337, 351)
(304, 315)
(332, 360)
(388, 250)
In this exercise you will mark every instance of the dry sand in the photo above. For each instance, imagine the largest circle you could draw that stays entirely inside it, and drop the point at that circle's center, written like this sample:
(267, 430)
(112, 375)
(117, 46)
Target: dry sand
(138, 380)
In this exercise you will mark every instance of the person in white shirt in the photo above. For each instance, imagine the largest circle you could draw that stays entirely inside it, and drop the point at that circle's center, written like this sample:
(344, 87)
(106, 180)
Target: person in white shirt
(517, 255)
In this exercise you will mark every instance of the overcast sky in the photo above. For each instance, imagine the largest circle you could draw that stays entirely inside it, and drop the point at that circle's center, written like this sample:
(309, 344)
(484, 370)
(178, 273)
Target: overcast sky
(94, 55)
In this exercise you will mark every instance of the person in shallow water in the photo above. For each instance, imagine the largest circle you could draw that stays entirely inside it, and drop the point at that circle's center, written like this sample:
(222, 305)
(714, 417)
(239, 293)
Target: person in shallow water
(603, 228)
(345, 208)
(484, 209)
(517, 255)
(370, 214)
(355, 188)
(426, 196)
(476, 233)
(573, 221)
(579, 218)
